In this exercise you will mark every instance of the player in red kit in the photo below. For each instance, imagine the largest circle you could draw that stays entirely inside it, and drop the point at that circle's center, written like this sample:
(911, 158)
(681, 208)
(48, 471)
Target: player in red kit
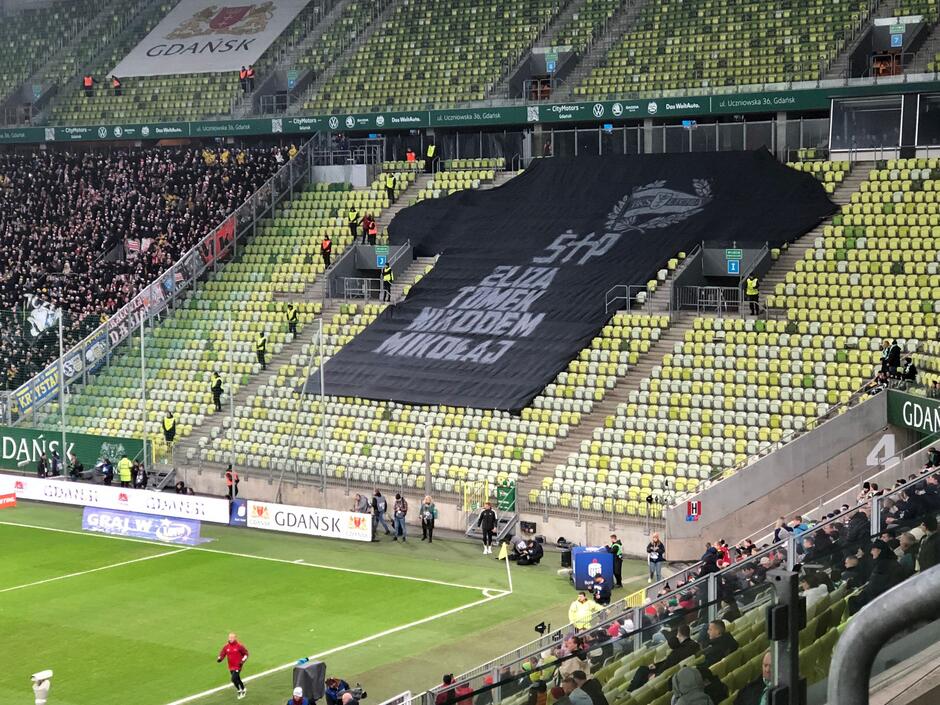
(236, 654)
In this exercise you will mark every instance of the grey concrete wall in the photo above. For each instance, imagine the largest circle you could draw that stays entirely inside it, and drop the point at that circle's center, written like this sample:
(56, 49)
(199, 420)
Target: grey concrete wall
(796, 474)
(355, 174)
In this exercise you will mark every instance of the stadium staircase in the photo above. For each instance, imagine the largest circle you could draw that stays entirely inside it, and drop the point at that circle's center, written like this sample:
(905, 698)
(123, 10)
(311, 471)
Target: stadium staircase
(840, 68)
(501, 89)
(289, 57)
(614, 398)
(405, 199)
(797, 249)
(298, 104)
(505, 523)
(928, 52)
(619, 25)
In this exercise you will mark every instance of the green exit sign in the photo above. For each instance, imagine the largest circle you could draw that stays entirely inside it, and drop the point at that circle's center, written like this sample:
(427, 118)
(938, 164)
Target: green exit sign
(734, 254)
(897, 29)
(381, 250)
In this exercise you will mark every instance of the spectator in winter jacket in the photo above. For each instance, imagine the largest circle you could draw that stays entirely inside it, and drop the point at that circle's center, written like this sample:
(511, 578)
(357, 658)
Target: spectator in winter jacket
(333, 690)
(400, 511)
(720, 643)
(427, 513)
(682, 646)
(929, 552)
(688, 688)
(379, 507)
(885, 574)
(757, 691)
(588, 692)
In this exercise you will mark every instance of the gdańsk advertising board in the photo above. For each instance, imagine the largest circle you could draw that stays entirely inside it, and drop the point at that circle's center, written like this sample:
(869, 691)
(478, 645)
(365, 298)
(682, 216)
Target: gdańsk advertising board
(310, 521)
(83, 494)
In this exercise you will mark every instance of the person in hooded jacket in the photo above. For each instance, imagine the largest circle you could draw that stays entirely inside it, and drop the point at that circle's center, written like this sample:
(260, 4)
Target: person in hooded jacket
(688, 688)
(709, 562)
(885, 574)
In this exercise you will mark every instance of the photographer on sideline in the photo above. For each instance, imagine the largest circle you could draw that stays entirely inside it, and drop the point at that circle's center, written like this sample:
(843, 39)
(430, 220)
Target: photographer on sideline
(335, 687)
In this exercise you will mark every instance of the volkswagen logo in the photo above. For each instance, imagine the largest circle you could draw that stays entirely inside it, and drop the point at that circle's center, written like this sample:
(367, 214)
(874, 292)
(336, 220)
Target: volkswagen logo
(598, 110)
(334, 122)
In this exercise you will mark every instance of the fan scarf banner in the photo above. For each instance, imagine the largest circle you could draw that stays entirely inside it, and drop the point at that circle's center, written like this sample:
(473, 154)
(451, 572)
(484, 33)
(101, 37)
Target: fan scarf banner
(519, 288)
(201, 36)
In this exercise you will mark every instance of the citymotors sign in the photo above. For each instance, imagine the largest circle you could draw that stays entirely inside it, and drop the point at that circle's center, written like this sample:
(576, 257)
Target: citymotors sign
(310, 521)
(60, 491)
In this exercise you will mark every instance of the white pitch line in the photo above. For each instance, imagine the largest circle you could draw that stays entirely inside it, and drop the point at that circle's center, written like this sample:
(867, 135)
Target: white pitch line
(92, 570)
(328, 652)
(262, 558)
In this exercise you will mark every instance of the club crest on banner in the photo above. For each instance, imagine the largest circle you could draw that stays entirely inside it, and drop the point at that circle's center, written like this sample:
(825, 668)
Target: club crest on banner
(655, 206)
(243, 19)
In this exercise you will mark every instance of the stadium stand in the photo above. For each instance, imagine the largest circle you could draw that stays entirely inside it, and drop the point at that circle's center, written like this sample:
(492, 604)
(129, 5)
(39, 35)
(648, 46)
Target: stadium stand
(58, 246)
(465, 49)
(187, 347)
(160, 98)
(26, 32)
(586, 23)
(704, 44)
(844, 562)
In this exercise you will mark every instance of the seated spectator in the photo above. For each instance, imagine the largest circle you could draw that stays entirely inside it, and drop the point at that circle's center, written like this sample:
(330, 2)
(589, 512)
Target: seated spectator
(813, 588)
(682, 646)
(907, 554)
(588, 691)
(720, 643)
(688, 688)
(757, 692)
(885, 574)
(538, 694)
(909, 371)
(929, 551)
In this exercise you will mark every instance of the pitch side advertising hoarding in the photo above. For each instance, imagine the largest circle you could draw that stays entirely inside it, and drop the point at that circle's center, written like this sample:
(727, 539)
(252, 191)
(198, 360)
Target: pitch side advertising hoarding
(310, 521)
(83, 494)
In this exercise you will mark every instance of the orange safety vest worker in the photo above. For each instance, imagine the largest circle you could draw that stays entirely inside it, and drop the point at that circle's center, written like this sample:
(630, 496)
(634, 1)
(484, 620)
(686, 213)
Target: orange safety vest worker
(115, 82)
(250, 73)
(242, 75)
(326, 245)
(410, 155)
(87, 81)
(373, 227)
(230, 477)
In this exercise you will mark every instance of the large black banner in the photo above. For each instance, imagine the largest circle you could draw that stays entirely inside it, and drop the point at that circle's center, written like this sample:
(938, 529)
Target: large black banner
(519, 287)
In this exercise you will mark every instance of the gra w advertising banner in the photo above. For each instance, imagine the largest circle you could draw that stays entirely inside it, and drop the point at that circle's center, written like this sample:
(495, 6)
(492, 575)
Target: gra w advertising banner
(83, 494)
(519, 287)
(311, 521)
(201, 36)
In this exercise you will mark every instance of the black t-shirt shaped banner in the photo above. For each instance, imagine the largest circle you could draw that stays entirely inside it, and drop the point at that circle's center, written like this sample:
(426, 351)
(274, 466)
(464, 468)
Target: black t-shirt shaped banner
(519, 287)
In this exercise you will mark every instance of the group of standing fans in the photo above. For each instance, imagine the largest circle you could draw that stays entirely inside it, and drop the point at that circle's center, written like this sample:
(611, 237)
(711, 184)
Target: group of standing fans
(85, 232)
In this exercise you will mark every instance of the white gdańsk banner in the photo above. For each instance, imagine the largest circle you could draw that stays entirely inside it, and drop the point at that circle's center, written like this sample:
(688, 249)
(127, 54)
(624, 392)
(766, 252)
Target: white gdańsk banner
(201, 36)
(311, 521)
(84, 494)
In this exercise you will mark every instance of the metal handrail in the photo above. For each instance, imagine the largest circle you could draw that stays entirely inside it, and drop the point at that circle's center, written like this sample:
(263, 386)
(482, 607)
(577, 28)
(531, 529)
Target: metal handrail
(914, 601)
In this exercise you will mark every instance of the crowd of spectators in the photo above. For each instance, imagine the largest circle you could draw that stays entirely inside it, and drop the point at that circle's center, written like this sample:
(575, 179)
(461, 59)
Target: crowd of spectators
(840, 549)
(85, 231)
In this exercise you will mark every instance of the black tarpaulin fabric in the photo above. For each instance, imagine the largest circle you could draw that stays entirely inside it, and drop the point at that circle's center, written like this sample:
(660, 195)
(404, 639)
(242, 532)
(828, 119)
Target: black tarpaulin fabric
(519, 287)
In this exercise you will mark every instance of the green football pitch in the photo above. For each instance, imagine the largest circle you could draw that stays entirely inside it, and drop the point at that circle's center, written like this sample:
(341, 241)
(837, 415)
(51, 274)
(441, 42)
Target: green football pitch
(125, 621)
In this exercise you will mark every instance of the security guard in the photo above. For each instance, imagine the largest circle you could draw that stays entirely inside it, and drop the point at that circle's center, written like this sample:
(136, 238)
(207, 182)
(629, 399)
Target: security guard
(169, 428)
(250, 76)
(388, 276)
(116, 86)
(430, 156)
(243, 79)
(88, 84)
(390, 187)
(217, 390)
(124, 471)
(352, 219)
(261, 347)
(752, 292)
(326, 249)
(291, 316)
